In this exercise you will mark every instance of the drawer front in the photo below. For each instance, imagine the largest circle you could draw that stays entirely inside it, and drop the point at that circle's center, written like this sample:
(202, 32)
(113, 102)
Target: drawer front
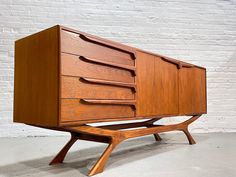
(75, 110)
(75, 87)
(73, 43)
(72, 65)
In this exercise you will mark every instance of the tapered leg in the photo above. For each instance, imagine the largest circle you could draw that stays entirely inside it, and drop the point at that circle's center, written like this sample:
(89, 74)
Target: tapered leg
(150, 124)
(157, 137)
(100, 164)
(184, 127)
(61, 155)
(189, 136)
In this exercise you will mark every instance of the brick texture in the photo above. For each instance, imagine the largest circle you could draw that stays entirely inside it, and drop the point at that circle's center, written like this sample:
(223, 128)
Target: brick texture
(201, 32)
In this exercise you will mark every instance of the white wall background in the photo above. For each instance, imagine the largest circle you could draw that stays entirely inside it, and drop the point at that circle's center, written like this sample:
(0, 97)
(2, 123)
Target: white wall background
(201, 32)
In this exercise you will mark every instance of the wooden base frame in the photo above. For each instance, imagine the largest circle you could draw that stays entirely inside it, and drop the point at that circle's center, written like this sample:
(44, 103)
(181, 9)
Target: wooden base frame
(115, 134)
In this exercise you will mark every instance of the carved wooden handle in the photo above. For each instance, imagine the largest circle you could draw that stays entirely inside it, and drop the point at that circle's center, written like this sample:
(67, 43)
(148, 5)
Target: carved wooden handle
(179, 64)
(108, 82)
(126, 67)
(94, 40)
(112, 102)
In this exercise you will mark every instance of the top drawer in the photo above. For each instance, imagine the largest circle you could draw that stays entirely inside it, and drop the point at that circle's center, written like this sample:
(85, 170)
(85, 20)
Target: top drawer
(82, 45)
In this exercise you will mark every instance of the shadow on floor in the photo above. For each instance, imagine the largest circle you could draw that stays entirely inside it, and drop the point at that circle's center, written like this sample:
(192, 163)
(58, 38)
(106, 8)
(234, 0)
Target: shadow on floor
(78, 163)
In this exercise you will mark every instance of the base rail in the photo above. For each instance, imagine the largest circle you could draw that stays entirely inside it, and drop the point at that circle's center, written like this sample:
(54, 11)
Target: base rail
(115, 134)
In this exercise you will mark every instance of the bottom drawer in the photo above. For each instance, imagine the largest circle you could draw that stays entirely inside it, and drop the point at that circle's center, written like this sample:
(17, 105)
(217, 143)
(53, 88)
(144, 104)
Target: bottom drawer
(74, 109)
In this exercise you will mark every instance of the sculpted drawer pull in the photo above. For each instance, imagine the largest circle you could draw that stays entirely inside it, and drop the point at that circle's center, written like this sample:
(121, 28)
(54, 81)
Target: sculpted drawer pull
(126, 67)
(114, 102)
(107, 82)
(186, 65)
(120, 48)
(179, 64)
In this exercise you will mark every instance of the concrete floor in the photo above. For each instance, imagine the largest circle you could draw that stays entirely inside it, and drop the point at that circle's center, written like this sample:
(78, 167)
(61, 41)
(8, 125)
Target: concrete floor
(214, 155)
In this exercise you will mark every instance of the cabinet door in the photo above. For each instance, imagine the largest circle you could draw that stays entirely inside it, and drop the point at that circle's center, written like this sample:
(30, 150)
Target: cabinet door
(192, 91)
(166, 87)
(157, 85)
(145, 84)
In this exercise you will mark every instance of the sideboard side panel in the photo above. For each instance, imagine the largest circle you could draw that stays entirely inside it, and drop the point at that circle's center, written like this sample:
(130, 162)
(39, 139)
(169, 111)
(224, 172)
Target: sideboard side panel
(36, 79)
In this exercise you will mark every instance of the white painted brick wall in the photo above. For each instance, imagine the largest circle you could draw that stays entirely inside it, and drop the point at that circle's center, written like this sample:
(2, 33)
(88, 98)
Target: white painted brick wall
(202, 32)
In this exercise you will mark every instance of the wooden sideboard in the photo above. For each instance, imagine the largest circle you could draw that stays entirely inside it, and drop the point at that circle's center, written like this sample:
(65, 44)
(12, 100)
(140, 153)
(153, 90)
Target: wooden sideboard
(65, 79)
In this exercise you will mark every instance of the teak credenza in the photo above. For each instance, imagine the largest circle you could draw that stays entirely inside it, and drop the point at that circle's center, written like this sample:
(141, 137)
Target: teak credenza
(65, 79)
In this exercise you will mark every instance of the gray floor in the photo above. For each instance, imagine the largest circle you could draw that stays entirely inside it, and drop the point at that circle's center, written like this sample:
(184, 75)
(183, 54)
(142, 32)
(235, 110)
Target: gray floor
(214, 155)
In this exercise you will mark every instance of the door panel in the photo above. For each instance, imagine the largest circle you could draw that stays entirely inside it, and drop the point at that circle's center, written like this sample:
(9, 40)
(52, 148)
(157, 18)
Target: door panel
(192, 91)
(166, 87)
(157, 83)
(145, 84)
